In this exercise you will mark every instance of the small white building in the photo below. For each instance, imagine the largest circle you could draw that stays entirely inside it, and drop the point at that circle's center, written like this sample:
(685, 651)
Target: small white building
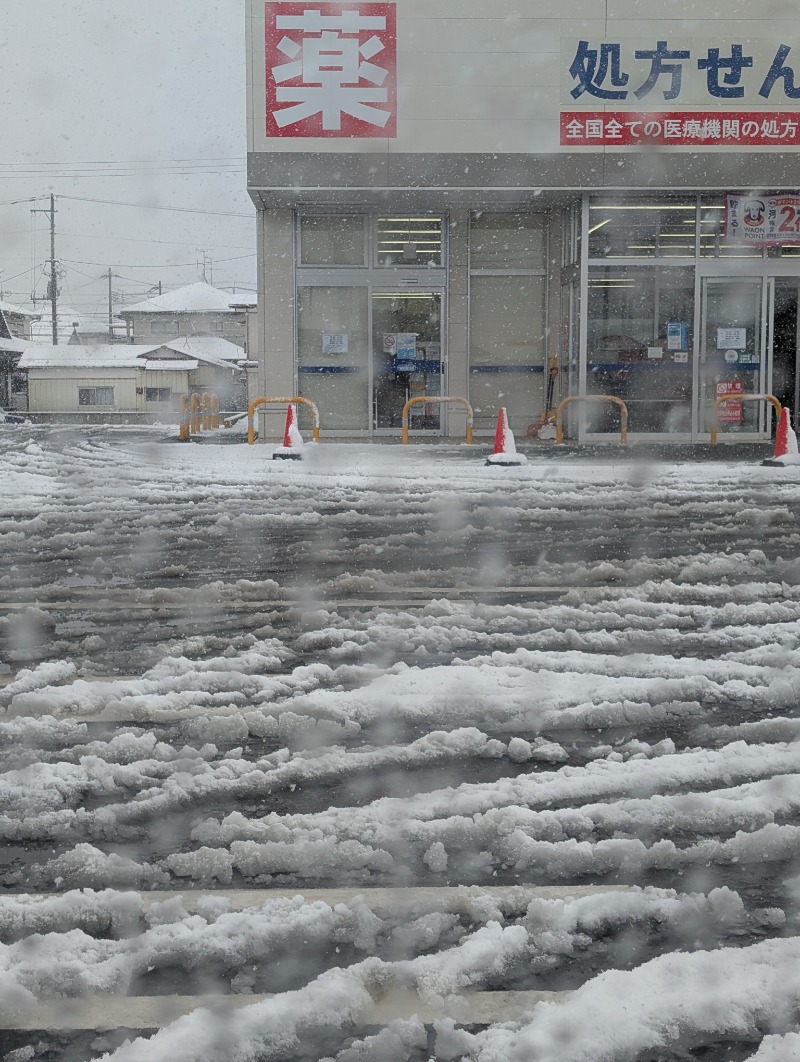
(131, 382)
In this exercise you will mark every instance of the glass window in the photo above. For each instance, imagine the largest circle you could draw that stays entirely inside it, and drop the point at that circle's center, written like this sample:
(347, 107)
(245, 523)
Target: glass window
(570, 234)
(507, 241)
(332, 240)
(712, 234)
(95, 396)
(333, 347)
(158, 394)
(642, 229)
(639, 344)
(164, 328)
(412, 241)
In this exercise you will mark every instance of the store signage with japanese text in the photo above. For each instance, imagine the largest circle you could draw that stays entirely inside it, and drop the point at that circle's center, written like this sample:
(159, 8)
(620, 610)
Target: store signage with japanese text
(730, 411)
(331, 70)
(680, 93)
(762, 220)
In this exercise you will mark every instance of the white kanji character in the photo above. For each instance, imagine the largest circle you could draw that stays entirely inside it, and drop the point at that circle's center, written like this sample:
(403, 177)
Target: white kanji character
(331, 67)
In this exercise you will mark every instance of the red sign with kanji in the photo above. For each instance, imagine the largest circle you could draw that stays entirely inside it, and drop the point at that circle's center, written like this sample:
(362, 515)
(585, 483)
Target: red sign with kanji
(680, 128)
(730, 412)
(331, 70)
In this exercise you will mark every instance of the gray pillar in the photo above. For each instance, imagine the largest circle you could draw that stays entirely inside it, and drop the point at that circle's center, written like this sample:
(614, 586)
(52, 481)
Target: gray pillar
(276, 298)
(457, 317)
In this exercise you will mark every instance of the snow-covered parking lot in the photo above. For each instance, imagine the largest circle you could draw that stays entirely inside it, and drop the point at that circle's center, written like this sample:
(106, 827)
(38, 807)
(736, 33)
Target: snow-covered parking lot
(389, 755)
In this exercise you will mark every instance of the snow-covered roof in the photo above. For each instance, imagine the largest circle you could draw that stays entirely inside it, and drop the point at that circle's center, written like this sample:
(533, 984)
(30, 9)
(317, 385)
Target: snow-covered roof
(8, 307)
(14, 346)
(189, 352)
(194, 298)
(207, 348)
(69, 356)
(66, 319)
(244, 298)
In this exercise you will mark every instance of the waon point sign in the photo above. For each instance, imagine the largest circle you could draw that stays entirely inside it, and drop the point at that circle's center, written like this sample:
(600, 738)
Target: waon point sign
(331, 70)
(679, 92)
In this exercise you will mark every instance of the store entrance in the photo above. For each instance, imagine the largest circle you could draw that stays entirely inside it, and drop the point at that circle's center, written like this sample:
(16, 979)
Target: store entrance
(785, 336)
(733, 352)
(406, 358)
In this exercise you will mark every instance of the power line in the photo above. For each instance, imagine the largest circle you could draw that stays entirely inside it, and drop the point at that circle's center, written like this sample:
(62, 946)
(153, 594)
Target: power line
(157, 206)
(159, 265)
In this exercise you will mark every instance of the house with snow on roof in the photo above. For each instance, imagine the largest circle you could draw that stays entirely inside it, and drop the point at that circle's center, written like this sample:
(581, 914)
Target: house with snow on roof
(16, 322)
(195, 310)
(131, 383)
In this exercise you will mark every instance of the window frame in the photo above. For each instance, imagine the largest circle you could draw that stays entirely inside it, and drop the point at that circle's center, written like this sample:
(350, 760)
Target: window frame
(94, 390)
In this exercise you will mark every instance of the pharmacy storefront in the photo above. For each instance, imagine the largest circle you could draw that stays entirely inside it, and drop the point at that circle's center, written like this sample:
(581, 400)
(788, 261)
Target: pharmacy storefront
(512, 208)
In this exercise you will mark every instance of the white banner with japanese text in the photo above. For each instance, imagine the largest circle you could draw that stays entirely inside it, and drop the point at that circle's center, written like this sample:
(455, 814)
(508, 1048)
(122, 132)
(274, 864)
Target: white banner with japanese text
(680, 92)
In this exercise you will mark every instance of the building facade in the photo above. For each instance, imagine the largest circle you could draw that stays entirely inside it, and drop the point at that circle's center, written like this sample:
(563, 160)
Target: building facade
(523, 203)
(194, 310)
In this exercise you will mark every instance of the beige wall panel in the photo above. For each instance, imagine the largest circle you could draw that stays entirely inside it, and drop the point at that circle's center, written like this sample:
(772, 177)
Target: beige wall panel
(484, 136)
(727, 10)
(512, 10)
(481, 70)
(60, 393)
(489, 35)
(443, 105)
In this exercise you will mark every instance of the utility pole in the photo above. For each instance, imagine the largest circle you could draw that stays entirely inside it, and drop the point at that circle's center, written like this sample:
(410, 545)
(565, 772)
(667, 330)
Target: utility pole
(110, 310)
(53, 277)
(52, 284)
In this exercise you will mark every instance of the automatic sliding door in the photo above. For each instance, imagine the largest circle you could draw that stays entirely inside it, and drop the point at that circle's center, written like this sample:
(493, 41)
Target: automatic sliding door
(732, 355)
(406, 358)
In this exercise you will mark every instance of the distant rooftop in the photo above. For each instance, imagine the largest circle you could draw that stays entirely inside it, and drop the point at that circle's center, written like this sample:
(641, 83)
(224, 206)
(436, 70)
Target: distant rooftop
(187, 353)
(8, 307)
(194, 298)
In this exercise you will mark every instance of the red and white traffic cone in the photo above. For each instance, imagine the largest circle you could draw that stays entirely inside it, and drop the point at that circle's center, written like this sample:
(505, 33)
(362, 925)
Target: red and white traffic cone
(505, 449)
(786, 449)
(292, 449)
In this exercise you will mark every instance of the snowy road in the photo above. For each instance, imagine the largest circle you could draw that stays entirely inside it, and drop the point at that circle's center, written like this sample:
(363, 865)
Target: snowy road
(398, 669)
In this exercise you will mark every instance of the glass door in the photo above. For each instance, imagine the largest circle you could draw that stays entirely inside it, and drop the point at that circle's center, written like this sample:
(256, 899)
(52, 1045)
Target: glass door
(733, 352)
(406, 359)
(785, 381)
(333, 353)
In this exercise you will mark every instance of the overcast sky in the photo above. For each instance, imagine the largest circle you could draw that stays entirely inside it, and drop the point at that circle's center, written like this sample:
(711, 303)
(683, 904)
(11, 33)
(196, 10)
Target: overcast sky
(134, 101)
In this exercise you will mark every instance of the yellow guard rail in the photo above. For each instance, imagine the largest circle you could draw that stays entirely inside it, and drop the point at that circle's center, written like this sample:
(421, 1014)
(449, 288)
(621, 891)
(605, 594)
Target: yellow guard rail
(438, 400)
(251, 409)
(740, 398)
(199, 413)
(623, 414)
